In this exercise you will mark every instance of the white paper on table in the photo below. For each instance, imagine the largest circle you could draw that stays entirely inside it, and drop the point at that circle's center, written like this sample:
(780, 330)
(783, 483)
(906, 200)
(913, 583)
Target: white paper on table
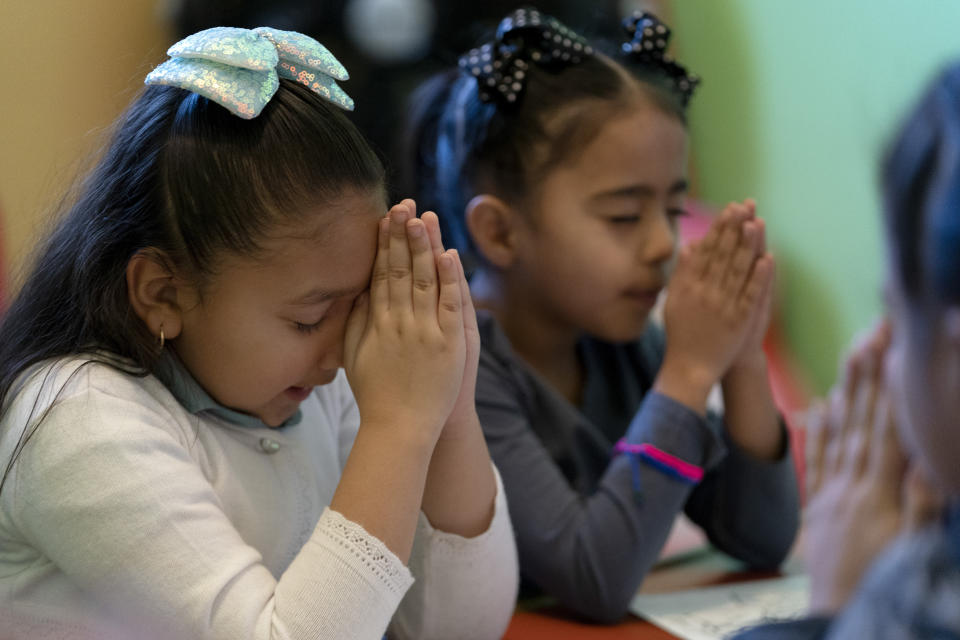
(711, 613)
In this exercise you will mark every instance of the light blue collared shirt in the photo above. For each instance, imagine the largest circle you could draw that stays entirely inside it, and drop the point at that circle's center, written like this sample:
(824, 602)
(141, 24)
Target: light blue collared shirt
(194, 398)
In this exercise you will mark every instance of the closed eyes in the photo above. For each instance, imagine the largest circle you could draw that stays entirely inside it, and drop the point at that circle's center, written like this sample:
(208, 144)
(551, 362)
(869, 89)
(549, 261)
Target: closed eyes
(308, 328)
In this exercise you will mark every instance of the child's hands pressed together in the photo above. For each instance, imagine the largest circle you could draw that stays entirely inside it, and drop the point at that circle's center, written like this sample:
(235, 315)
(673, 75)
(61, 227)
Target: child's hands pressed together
(715, 305)
(759, 322)
(464, 413)
(752, 418)
(405, 344)
(410, 353)
(862, 490)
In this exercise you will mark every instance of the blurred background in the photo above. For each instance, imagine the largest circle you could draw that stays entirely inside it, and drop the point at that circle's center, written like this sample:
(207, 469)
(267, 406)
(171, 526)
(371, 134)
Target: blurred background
(797, 104)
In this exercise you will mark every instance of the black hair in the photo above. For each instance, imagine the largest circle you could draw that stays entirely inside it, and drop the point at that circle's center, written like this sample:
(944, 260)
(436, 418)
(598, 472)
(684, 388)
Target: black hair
(184, 177)
(921, 188)
(457, 145)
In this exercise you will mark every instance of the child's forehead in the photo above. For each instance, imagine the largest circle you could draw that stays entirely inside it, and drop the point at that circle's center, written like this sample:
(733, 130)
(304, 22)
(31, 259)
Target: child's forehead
(292, 268)
(600, 127)
(327, 240)
(642, 143)
(325, 223)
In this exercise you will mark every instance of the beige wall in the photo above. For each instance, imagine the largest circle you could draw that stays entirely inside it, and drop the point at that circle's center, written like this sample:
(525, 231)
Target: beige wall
(67, 68)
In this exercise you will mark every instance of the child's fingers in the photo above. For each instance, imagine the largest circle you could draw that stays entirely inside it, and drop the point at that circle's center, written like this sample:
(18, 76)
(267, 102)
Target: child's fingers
(865, 414)
(886, 331)
(469, 314)
(817, 436)
(379, 279)
(761, 226)
(843, 402)
(881, 337)
(863, 366)
(755, 286)
(703, 250)
(834, 412)
(888, 460)
(740, 260)
(848, 389)
(425, 287)
(432, 222)
(400, 264)
(732, 215)
(772, 282)
(762, 309)
(708, 244)
(464, 285)
(450, 309)
(720, 256)
(411, 206)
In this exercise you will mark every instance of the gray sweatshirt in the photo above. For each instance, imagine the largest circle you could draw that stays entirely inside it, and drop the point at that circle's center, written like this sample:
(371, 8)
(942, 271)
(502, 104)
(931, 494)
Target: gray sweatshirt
(585, 535)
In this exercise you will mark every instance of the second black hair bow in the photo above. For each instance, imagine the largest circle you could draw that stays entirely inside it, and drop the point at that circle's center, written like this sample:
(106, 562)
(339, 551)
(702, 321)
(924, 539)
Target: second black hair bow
(646, 45)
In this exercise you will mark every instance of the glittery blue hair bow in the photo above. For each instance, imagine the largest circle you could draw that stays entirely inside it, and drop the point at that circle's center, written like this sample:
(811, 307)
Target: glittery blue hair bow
(240, 69)
(647, 46)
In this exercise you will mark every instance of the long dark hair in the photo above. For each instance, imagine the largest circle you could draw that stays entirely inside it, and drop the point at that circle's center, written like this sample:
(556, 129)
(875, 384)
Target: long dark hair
(456, 145)
(921, 185)
(185, 177)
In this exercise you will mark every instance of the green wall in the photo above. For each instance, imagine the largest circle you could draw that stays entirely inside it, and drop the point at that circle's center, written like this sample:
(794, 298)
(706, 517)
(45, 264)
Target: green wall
(797, 104)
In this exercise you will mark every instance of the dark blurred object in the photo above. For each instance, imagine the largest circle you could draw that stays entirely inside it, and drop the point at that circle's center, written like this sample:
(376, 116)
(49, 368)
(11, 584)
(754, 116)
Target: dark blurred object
(390, 46)
(458, 25)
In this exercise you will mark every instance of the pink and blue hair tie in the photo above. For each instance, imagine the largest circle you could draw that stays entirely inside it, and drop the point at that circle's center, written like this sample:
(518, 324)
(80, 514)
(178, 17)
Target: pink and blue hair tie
(660, 460)
(240, 69)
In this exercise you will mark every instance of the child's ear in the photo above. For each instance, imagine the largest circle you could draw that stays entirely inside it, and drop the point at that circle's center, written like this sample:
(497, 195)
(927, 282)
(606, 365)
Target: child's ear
(155, 293)
(493, 226)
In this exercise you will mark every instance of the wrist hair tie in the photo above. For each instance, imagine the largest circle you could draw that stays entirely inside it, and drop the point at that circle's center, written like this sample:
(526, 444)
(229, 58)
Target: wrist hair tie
(646, 47)
(524, 37)
(240, 69)
(665, 463)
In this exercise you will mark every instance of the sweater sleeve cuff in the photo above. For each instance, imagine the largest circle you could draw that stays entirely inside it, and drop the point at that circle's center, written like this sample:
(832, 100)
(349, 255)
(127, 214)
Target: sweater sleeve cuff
(366, 553)
(680, 431)
(466, 587)
(344, 583)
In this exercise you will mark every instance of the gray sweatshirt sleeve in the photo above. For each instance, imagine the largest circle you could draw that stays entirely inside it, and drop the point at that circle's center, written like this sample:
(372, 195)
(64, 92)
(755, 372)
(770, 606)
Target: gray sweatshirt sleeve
(591, 552)
(749, 508)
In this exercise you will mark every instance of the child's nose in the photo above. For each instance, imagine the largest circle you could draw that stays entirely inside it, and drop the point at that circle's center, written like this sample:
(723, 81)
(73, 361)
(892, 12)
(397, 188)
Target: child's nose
(331, 357)
(659, 240)
(329, 360)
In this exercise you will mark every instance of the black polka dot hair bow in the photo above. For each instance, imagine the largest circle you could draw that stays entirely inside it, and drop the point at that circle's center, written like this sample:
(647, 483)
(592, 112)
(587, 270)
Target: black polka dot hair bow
(647, 45)
(526, 36)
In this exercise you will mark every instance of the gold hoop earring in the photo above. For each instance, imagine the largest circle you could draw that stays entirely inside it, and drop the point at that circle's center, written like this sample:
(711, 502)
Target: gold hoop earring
(162, 340)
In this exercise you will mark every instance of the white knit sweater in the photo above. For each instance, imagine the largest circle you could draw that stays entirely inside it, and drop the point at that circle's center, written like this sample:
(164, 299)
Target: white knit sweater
(127, 516)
